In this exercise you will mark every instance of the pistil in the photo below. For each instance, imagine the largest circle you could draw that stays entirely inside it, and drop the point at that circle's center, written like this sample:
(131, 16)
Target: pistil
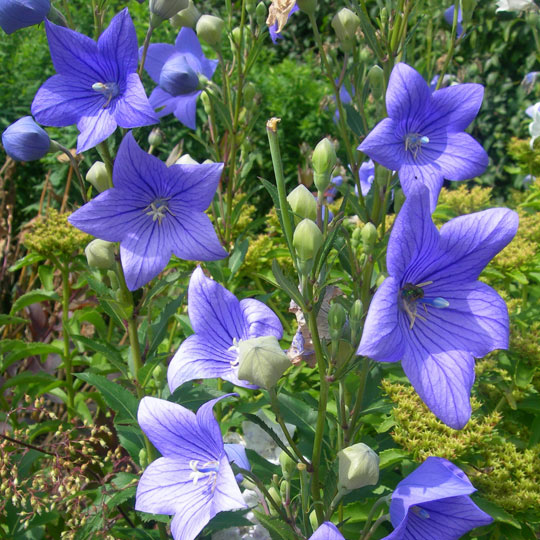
(414, 142)
(109, 90)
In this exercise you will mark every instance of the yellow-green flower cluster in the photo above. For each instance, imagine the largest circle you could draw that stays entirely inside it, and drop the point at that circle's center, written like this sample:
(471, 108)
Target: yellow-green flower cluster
(527, 159)
(52, 236)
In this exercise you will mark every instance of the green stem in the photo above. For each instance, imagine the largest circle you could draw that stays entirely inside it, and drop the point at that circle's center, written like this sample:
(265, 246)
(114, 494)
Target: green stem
(66, 293)
(382, 519)
(74, 165)
(450, 53)
(104, 152)
(358, 402)
(372, 512)
(146, 44)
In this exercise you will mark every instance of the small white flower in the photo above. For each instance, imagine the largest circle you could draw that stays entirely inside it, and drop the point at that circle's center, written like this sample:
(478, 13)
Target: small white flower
(534, 126)
(514, 5)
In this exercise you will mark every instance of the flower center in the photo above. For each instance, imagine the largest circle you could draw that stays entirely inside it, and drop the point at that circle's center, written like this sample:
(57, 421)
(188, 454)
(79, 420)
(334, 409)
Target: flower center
(157, 209)
(421, 512)
(414, 142)
(204, 470)
(109, 90)
(234, 348)
(411, 295)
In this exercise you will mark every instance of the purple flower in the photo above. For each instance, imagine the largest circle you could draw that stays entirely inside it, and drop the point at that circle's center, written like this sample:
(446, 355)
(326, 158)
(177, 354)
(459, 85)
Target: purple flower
(433, 502)
(220, 321)
(423, 138)
(345, 98)
(154, 211)
(237, 455)
(432, 313)
(17, 14)
(175, 68)
(449, 18)
(331, 190)
(97, 86)
(24, 140)
(366, 174)
(273, 28)
(193, 479)
(327, 531)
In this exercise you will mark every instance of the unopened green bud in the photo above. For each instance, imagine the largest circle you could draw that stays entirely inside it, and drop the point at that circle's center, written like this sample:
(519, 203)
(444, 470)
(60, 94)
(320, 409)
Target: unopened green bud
(187, 17)
(307, 6)
(236, 34)
(159, 373)
(205, 98)
(303, 203)
(313, 520)
(100, 254)
(165, 9)
(274, 493)
(209, 28)
(262, 361)
(357, 311)
(356, 237)
(376, 80)
(98, 176)
(186, 159)
(251, 5)
(324, 160)
(384, 16)
(143, 458)
(365, 54)
(358, 467)
(155, 138)
(345, 23)
(369, 236)
(284, 490)
(307, 239)
(288, 465)
(337, 317)
(261, 13)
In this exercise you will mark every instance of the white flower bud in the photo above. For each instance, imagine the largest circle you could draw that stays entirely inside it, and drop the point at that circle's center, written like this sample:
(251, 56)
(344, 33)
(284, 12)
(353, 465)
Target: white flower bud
(98, 176)
(100, 254)
(209, 29)
(165, 9)
(187, 17)
(307, 240)
(303, 203)
(345, 23)
(358, 467)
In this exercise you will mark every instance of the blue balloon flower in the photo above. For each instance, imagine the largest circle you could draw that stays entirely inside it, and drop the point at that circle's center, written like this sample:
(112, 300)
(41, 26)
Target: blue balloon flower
(193, 480)
(327, 531)
(220, 322)
(154, 211)
(432, 313)
(449, 18)
(97, 86)
(176, 69)
(423, 138)
(17, 14)
(433, 503)
(24, 140)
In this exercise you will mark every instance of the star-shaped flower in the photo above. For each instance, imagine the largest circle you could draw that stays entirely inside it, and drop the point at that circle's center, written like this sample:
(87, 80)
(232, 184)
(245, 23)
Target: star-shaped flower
(97, 86)
(154, 211)
(187, 59)
(193, 479)
(432, 313)
(327, 531)
(433, 502)
(220, 322)
(423, 137)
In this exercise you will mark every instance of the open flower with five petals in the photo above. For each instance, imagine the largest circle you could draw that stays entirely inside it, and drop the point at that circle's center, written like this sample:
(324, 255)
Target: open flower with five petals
(433, 502)
(432, 313)
(96, 86)
(193, 480)
(154, 211)
(220, 322)
(423, 137)
(176, 68)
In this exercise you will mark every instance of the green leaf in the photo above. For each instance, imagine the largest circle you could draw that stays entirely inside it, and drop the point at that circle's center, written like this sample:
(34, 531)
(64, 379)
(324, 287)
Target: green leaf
(237, 257)
(28, 260)
(118, 398)
(287, 284)
(33, 297)
(224, 520)
(159, 329)
(107, 350)
(390, 457)
(277, 529)
(354, 120)
(11, 319)
(298, 413)
(496, 512)
(26, 350)
(46, 276)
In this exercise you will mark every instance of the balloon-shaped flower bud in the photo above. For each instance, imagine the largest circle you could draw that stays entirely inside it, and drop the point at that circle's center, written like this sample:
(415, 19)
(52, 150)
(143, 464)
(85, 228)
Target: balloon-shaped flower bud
(288, 465)
(369, 236)
(261, 13)
(155, 138)
(307, 240)
(24, 140)
(209, 28)
(15, 14)
(262, 361)
(337, 317)
(251, 6)
(100, 254)
(358, 467)
(345, 23)
(376, 80)
(355, 320)
(324, 160)
(303, 203)
(187, 17)
(186, 159)
(165, 9)
(307, 6)
(177, 77)
(98, 176)
(276, 497)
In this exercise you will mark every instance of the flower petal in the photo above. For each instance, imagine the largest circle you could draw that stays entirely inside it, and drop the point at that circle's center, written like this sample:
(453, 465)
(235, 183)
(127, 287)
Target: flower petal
(471, 241)
(61, 101)
(382, 338)
(159, 99)
(188, 42)
(414, 238)
(327, 531)
(110, 215)
(157, 55)
(214, 312)
(260, 319)
(133, 108)
(412, 175)
(185, 109)
(144, 252)
(236, 453)
(408, 94)
(384, 146)
(176, 432)
(117, 47)
(95, 127)
(193, 237)
(227, 495)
